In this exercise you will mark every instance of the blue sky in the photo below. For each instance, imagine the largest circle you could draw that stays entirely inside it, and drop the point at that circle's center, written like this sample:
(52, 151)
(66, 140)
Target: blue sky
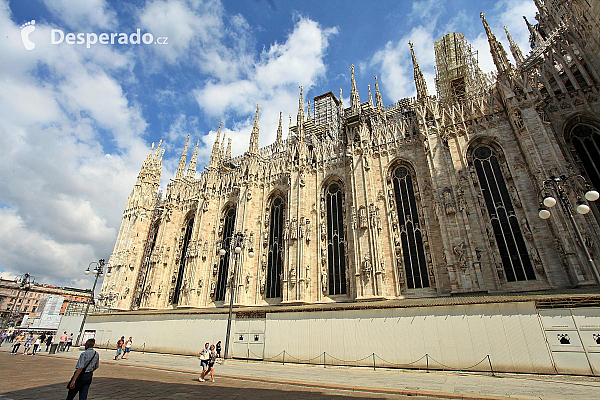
(76, 122)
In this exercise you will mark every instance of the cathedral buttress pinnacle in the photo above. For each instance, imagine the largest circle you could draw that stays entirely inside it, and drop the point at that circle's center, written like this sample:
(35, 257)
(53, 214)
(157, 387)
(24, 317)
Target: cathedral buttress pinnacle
(191, 172)
(535, 39)
(300, 116)
(514, 48)
(370, 96)
(354, 96)
(253, 148)
(378, 98)
(420, 83)
(182, 160)
(279, 138)
(308, 116)
(228, 151)
(496, 48)
(214, 156)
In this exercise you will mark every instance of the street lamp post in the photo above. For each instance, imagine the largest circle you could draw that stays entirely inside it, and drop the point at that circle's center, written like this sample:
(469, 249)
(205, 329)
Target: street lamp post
(238, 242)
(99, 272)
(559, 186)
(25, 282)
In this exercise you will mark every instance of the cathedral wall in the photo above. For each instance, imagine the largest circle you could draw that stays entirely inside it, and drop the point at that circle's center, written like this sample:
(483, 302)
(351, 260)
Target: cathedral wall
(457, 336)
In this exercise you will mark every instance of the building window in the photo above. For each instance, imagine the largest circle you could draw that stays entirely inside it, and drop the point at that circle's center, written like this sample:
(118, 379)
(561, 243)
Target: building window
(186, 241)
(274, 257)
(586, 142)
(505, 224)
(336, 242)
(411, 236)
(228, 225)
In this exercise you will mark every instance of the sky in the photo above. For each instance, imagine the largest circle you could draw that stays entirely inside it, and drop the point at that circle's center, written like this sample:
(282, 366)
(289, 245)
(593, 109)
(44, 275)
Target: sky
(77, 121)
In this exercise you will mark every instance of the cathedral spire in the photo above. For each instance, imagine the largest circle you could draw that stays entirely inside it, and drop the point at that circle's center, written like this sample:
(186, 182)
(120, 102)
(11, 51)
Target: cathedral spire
(253, 149)
(354, 97)
(214, 156)
(157, 152)
(498, 52)
(222, 150)
(420, 83)
(228, 151)
(182, 160)
(378, 98)
(370, 96)
(341, 99)
(191, 172)
(300, 116)
(279, 138)
(535, 39)
(514, 48)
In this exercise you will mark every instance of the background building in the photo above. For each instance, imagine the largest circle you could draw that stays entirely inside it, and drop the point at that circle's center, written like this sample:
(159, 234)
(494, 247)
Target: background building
(22, 302)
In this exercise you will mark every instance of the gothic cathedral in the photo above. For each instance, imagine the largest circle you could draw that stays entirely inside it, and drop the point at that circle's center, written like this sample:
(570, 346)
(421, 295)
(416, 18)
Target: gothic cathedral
(436, 195)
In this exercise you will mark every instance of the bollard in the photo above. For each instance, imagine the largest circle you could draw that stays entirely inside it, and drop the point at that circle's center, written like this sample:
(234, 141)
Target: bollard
(373, 361)
(284, 357)
(490, 362)
(144, 348)
(323, 359)
(248, 356)
(427, 362)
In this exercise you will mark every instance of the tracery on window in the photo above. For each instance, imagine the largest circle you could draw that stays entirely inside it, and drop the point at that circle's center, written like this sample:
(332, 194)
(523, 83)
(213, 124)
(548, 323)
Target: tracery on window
(226, 236)
(336, 240)
(505, 224)
(410, 230)
(182, 260)
(275, 248)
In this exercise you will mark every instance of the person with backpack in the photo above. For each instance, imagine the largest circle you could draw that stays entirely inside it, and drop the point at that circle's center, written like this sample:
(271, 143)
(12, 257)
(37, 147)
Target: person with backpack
(88, 362)
(120, 345)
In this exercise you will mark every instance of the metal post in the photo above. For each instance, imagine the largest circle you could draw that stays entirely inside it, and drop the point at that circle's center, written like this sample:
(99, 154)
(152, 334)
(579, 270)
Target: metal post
(323, 359)
(373, 361)
(231, 290)
(490, 362)
(427, 362)
(581, 241)
(284, 357)
(87, 307)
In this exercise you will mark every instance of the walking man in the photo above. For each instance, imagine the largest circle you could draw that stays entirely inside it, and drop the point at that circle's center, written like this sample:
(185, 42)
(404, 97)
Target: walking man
(62, 341)
(204, 358)
(120, 345)
(86, 365)
(69, 342)
(17, 343)
(48, 342)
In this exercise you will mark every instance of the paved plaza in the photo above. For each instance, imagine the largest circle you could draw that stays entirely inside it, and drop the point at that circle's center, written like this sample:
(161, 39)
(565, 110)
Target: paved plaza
(161, 376)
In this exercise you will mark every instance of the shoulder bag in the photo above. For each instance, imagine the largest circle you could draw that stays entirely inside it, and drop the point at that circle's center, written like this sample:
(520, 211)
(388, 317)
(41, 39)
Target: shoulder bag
(78, 380)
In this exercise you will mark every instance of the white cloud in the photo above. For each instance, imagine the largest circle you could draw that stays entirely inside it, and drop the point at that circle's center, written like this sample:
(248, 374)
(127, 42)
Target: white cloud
(62, 192)
(83, 15)
(272, 81)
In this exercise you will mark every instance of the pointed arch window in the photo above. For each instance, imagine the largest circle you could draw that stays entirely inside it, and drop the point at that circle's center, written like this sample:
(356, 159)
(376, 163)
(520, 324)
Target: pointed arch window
(275, 249)
(336, 241)
(228, 225)
(585, 139)
(411, 236)
(505, 224)
(182, 260)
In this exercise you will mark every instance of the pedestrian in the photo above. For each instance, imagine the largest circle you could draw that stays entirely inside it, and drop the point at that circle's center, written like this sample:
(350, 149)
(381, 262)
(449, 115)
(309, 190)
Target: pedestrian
(42, 338)
(28, 344)
(212, 357)
(204, 357)
(3, 337)
(48, 342)
(17, 343)
(88, 362)
(120, 345)
(36, 345)
(13, 336)
(69, 342)
(218, 349)
(62, 341)
(127, 348)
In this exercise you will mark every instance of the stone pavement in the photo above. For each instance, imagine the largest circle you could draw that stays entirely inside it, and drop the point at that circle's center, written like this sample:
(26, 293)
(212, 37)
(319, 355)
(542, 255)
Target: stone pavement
(344, 381)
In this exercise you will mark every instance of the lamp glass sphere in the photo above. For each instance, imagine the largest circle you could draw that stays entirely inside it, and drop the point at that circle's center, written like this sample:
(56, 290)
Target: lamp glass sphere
(251, 254)
(95, 271)
(222, 252)
(237, 250)
(544, 214)
(549, 201)
(108, 273)
(591, 195)
(87, 271)
(583, 208)
(100, 275)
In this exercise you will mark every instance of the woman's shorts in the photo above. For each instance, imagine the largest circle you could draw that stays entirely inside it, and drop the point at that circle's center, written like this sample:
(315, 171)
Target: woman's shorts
(204, 363)
(127, 349)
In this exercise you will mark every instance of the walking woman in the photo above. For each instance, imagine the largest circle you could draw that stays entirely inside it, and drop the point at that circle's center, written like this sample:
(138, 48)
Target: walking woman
(212, 357)
(17, 343)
